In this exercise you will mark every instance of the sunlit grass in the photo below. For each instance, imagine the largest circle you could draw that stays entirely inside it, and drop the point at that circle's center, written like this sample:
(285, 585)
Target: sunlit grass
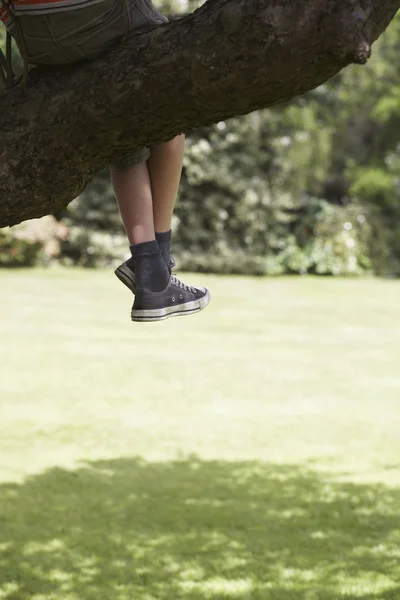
(268, 431)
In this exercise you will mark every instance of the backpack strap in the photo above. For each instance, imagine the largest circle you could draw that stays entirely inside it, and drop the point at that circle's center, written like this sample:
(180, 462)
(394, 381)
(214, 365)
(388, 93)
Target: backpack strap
(3, 67)
(7, 63)
(6, 71)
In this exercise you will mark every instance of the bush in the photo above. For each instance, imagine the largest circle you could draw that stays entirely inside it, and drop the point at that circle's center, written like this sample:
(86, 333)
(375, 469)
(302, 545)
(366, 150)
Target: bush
(31, 242)
(15, 252)
(89, 248)
(230, 262)
(340, 241)
(326, 240)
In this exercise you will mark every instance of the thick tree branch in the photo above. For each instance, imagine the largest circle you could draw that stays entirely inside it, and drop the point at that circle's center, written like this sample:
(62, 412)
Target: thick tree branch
(229, 57)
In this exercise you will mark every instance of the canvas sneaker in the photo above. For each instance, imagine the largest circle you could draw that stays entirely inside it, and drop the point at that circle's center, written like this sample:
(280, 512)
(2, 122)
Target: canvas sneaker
(176, 300)
(126, 272)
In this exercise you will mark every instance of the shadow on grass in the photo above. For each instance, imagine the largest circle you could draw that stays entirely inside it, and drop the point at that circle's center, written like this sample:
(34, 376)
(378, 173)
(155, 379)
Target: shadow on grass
(126, 529)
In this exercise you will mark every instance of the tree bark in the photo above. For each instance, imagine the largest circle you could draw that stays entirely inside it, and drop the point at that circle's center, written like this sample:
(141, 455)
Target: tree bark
(228, 58)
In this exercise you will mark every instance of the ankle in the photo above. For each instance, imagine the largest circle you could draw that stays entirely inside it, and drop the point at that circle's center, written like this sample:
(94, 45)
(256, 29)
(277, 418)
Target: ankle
(164, 242)
(150, 269)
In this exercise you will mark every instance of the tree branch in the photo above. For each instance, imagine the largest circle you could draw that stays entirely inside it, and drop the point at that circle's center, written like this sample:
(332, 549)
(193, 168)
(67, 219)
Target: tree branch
(228, 58)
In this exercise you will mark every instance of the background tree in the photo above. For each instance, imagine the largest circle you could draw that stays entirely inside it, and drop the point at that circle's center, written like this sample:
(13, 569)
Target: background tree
(311, 186)
(225, 59)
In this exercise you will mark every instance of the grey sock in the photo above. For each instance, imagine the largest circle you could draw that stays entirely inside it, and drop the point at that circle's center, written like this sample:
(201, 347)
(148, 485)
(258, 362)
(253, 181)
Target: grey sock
(164, 243)
(150, 269)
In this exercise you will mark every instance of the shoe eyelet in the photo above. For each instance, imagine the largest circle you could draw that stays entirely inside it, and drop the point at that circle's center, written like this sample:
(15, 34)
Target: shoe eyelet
(181, 297)
(173, 298)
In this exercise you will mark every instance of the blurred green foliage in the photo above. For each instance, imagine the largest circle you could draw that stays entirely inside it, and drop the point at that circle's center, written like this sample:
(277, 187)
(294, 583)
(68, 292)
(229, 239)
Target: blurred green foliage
(17, 252)
(312, 186)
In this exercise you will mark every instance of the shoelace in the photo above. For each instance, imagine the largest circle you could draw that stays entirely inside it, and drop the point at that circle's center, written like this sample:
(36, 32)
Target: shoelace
(178, 283)
(172, 263)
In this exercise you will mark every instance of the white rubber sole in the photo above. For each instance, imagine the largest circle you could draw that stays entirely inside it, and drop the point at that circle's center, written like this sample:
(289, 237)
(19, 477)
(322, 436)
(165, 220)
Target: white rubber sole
(180, 310)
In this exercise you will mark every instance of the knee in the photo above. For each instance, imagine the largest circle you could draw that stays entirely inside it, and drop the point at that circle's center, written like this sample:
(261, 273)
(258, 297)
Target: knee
(177, 143)
(174, 144)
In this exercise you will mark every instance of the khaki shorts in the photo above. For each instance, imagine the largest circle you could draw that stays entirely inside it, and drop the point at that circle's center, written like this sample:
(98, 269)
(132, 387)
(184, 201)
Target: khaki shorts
(68, 37)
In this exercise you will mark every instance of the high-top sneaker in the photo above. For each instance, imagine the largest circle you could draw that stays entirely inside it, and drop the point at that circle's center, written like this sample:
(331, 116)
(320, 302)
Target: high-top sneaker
(176, 300)
(126, 272)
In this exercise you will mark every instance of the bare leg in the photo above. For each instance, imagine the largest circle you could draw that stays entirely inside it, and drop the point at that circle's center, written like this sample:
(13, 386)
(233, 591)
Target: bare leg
(132, 189)
(146, 197)
(165, 169)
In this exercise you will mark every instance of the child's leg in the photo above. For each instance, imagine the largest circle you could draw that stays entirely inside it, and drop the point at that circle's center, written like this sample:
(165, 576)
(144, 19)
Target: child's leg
(132, 189)
(165, 168)
(133, 192)
(146, 196)
(146, 193)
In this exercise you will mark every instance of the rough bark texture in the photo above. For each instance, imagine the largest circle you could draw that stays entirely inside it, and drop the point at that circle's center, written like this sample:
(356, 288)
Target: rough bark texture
(228, 58)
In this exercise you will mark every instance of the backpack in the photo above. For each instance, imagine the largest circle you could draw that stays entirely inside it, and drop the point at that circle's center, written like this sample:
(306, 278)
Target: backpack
(7, 15)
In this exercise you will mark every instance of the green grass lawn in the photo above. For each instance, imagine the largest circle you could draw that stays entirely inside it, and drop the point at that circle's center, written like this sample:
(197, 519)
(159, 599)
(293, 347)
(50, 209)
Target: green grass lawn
(250, 452)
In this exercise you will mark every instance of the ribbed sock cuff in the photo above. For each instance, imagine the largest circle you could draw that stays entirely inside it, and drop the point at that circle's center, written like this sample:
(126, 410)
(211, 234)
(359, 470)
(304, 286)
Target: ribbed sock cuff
(164, 237)
(150, 268)
(145, 249)
(164, 243)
